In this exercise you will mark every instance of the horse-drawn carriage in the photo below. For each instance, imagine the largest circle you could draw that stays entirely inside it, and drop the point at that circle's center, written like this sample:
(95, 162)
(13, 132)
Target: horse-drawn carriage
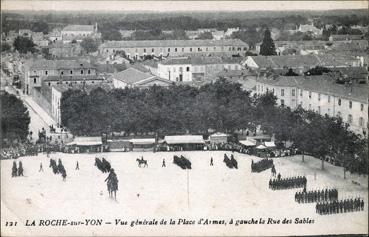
(182, 162)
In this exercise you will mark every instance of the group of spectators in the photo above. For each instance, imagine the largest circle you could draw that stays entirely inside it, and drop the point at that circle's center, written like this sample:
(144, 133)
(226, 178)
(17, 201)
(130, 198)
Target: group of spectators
(334, 207)
(13, 152)
(317, 196)
(287, 183)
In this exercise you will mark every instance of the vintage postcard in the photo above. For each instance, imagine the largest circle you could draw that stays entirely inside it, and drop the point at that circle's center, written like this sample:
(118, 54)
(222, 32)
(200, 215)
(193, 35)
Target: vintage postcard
(184, 118)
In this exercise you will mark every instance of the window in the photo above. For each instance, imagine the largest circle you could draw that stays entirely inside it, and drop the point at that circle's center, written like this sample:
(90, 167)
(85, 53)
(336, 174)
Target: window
(350, 104)
(175, 50)
(349, 118)
(329, 99)
(230, 48)
(49, 84)
(34, 80)
(245, 48)
(293, 92)
(182, 49)
(187, 69)
(282, 92)
(190, 49)
(207, 49)
(144, 50)
(46, 72)
(339, 102)
(198, 49)
(282, 103)
(361, 107)
(319, 96)
(168, 49)
(71, 72)
(81, 71)
(300, 92)
(309, 94)
(89, 71)
(93, 82)
(62, 73)
(361, 122)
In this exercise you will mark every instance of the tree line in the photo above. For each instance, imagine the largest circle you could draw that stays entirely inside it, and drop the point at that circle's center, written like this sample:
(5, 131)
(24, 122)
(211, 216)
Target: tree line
(219, 106)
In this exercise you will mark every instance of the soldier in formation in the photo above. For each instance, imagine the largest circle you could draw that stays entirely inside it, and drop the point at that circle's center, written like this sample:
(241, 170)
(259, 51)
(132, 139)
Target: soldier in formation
(342, 206)
(317, 196)
(287, 183)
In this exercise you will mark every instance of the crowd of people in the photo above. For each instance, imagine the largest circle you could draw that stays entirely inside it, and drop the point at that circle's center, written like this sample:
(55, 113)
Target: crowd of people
(316, 196)
(102, 164)
(13, 152)
(17, 171)
(287, 183)
(182, 162)
(342, 206)
(261, 165)
(230, 162)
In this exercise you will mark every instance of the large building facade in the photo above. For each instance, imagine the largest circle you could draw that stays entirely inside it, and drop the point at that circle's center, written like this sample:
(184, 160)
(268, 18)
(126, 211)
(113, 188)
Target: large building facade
(39, 70)
(136, 49)
(188, 69)
(321, 94)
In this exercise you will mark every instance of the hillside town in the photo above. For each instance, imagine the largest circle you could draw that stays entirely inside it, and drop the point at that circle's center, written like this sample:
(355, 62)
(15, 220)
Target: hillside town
(269, 92)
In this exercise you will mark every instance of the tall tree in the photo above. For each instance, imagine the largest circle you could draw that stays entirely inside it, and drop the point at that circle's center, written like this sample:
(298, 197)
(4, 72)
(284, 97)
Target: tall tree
(267, 47)
(89, 45)
(24, 45)
(14, 118)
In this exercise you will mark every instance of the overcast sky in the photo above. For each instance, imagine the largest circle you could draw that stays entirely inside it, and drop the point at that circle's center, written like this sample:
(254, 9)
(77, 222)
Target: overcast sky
(107, 5)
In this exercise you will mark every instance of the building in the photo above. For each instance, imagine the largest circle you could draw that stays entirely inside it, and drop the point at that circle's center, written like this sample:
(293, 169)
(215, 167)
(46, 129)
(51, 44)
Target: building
(345, 37)
(188, 69)
(55, 36)
(321, 94)
(302, 63)
(133, 77)
(77, 33)
(38, 39)
(166, 48)
(60, 50)
(310, 28)
(302, 47)
(37, 71)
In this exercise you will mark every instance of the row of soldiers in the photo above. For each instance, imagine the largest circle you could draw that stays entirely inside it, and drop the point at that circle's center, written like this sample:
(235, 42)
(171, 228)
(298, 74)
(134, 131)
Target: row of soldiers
(316, 195)
(347, 205)
(17, 171)
(261, 165)
(287, 183)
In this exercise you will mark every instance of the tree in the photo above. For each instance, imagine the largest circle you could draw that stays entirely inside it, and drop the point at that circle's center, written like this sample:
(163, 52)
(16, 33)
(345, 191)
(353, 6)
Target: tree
(89, 45)
(24, 45)
(111, 34)
(40, 26)
(267, 47)
(5, 47)
(14, 118)
(318, 70)
(205, 35)
(291, 73)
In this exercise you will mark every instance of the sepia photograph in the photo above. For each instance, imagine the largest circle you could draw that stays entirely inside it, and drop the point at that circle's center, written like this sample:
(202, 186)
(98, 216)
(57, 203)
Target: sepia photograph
(184, 118)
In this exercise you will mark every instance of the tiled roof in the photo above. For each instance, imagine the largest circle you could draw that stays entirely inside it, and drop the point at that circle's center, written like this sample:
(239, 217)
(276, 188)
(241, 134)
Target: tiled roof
(346, 37)
(59, 64)
(172, 43)
(324, 84)
(299, 61)
(132, 75)
(79, 28)
(199, 60)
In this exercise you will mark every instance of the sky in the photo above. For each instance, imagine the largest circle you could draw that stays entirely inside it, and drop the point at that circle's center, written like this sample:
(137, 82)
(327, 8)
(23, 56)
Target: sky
(162, 6)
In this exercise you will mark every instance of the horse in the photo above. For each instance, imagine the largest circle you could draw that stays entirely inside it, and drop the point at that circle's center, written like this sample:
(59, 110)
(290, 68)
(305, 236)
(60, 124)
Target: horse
(112, 187)
(141, 161)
